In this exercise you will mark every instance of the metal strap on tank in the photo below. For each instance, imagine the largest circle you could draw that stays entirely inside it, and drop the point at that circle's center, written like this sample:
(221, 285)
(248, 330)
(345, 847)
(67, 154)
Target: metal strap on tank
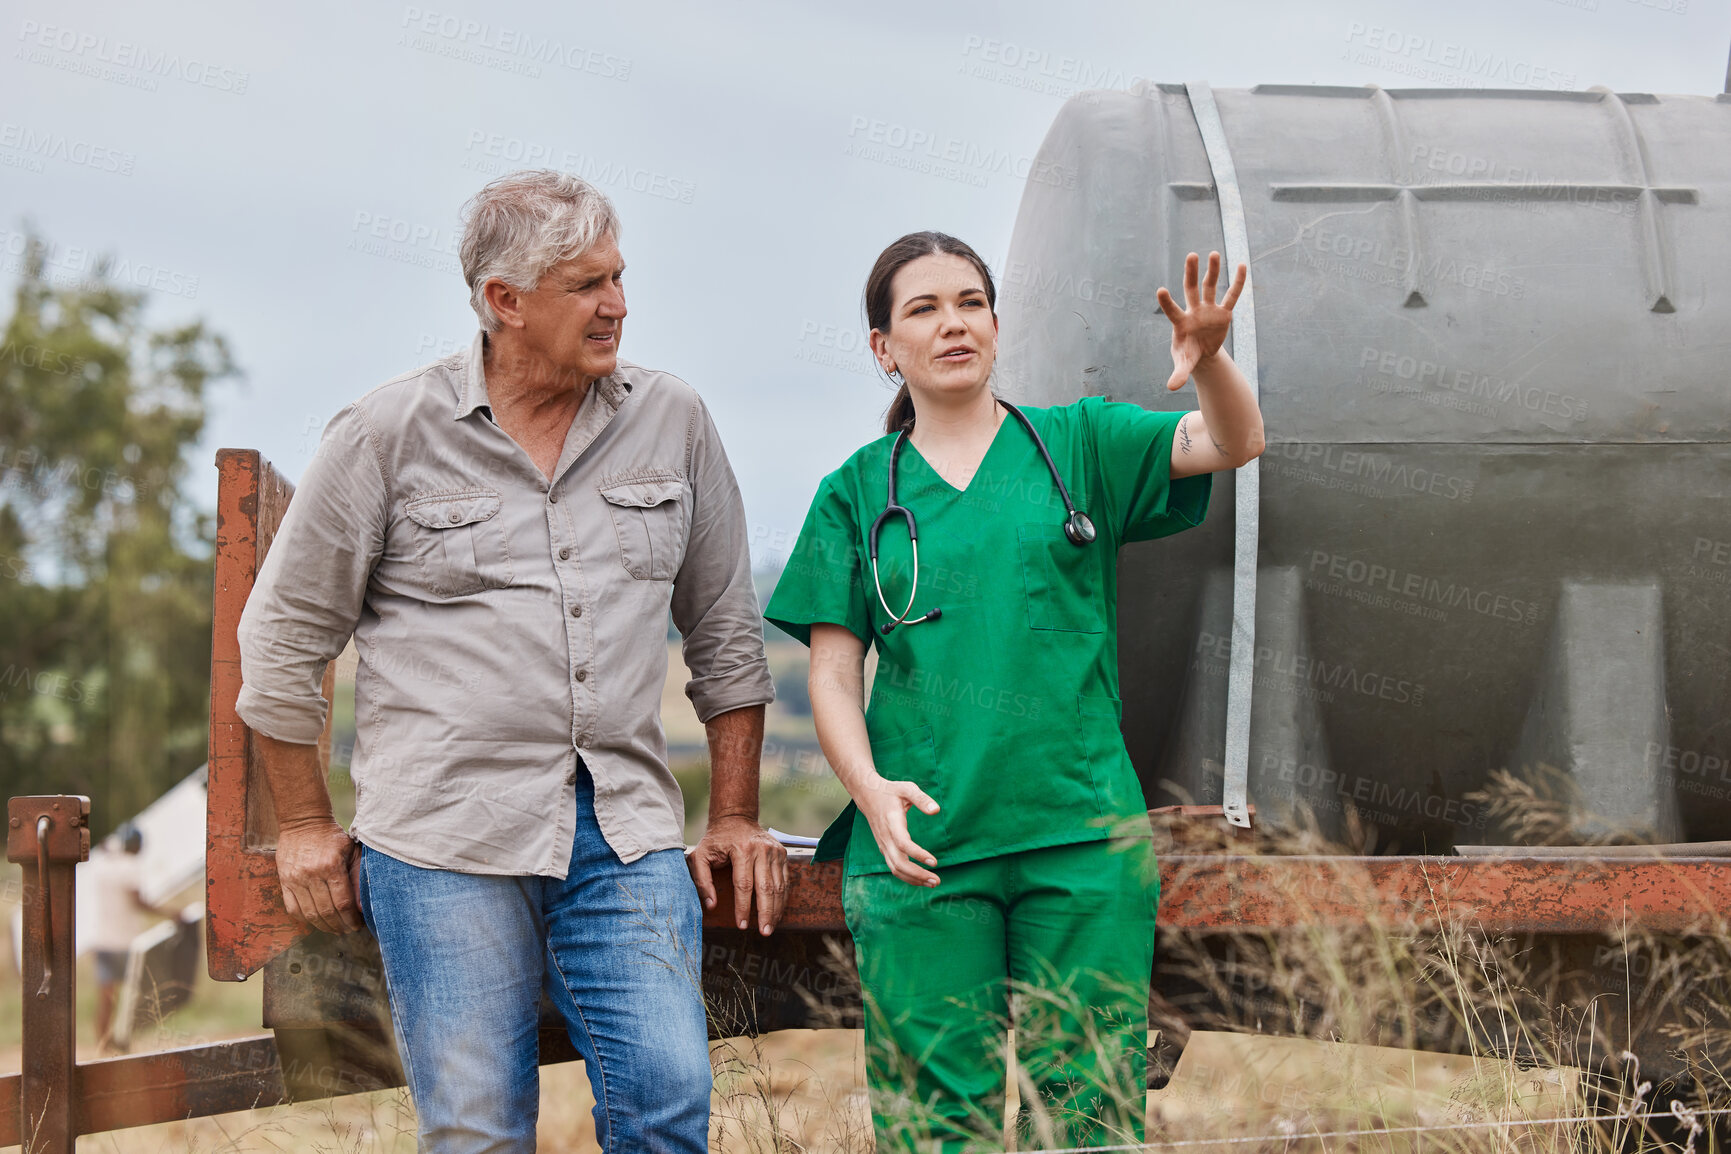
(1248, 490)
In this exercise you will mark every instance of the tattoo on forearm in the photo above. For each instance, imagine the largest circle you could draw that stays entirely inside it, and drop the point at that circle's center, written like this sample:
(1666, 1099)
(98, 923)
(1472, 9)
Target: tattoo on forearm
(1184, 434)
(1217, 445)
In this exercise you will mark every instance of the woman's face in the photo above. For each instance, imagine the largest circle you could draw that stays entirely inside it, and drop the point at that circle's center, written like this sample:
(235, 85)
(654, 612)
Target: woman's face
(942, 336)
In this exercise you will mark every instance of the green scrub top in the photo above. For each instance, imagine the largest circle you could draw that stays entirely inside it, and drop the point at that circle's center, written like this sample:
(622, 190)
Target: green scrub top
(1005, 709)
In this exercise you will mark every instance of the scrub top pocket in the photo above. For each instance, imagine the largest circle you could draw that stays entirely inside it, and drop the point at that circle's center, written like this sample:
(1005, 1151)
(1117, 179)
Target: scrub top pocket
(458, 543)
(1061, 579)
(1119, 792)
(910, 756)
(649, 516)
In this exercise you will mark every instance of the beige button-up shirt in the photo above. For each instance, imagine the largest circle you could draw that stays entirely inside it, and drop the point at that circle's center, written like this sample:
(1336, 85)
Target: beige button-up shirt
(506, 624)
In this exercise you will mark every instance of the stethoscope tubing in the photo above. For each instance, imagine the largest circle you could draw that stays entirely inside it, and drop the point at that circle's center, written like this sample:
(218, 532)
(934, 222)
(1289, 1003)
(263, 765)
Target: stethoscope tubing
(1077, 527)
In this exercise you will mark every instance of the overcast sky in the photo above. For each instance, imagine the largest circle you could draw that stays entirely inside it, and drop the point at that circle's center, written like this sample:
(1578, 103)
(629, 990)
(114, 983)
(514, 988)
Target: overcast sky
(293, 173)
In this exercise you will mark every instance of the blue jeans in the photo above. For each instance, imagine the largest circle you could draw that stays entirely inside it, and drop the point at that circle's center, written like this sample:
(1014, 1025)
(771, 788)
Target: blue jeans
(617, 947)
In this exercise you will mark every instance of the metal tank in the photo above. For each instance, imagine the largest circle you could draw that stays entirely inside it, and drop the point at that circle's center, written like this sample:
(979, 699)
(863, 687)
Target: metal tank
(1493, 528)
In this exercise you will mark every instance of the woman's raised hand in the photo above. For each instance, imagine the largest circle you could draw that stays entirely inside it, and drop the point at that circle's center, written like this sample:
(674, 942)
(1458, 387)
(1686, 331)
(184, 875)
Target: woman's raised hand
(885, 806)
(1199, 329)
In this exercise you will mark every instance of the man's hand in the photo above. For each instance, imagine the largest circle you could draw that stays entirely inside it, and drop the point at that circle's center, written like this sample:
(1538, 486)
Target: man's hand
(315, 861)
(315, 858)
(759, 866)
(1199, 329)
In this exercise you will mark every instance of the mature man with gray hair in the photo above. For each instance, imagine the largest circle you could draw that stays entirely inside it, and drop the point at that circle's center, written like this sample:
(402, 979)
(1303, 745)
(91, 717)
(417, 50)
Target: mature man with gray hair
(503, 533)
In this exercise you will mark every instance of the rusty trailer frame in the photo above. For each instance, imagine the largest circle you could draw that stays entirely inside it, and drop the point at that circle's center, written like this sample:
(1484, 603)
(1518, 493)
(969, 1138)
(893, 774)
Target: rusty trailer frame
(1226, 894)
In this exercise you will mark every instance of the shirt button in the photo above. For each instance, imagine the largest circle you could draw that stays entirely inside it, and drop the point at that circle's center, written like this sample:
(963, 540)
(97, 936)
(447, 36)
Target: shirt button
(455, 516)
(553, 497)
(564, 554)
(582, 675)
(571, 777)
(576, 610)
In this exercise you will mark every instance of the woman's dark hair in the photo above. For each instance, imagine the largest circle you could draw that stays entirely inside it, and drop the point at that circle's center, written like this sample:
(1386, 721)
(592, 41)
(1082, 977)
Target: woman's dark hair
(879, 302)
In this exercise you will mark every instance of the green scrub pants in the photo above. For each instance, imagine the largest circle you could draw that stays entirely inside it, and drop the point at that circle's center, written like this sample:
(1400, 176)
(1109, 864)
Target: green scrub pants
(1069, 930)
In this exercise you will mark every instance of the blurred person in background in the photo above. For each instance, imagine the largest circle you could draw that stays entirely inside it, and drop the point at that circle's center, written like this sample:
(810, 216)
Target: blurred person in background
(116, 884)
(504, 533)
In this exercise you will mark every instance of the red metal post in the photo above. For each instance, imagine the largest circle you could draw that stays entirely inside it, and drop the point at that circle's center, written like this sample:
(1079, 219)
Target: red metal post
(246, 923)
(48, 836)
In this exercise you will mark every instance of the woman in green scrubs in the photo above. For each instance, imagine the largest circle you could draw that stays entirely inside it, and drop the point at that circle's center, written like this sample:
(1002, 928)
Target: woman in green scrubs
(998, 839)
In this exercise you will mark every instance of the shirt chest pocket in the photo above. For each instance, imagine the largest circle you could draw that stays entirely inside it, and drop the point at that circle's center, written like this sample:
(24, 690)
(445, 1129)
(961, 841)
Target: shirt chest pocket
(1061, 580)
(458, 541)
(649, 516)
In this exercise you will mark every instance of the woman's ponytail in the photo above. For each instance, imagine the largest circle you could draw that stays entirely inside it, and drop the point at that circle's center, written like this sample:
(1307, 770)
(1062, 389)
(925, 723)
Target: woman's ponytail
(901, 414)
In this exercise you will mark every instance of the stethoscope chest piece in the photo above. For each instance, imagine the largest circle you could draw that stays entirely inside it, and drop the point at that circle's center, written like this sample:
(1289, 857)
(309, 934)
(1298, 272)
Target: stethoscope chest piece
(1078, 528)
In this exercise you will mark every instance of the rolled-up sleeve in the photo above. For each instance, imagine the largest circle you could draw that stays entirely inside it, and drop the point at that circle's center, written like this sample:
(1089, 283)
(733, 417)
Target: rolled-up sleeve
(308, 597)
(714, 604)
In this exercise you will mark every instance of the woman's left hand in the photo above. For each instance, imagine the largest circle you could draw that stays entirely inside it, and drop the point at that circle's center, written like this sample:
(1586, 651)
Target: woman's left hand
(1199, 330)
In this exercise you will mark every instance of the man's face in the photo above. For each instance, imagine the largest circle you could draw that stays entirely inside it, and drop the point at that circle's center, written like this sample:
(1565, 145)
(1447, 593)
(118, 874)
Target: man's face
(575, 316)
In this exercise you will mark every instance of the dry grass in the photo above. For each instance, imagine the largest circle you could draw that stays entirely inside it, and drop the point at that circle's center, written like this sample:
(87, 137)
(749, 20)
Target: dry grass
(797, 1089)
(1515, 1009)
(1532, 1025)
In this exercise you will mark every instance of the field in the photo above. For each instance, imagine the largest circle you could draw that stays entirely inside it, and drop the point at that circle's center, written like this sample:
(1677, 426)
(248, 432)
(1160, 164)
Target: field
(1350, 1004)
(813, 1077)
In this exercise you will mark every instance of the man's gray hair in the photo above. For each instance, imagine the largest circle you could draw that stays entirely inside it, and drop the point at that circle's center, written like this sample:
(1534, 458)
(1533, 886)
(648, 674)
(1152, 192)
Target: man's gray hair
(523, 224)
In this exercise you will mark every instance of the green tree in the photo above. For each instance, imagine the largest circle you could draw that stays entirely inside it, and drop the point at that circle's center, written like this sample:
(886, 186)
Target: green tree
(105, 570)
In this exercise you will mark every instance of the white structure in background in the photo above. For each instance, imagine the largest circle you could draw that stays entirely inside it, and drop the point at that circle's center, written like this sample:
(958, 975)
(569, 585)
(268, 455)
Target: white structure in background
(172, 859)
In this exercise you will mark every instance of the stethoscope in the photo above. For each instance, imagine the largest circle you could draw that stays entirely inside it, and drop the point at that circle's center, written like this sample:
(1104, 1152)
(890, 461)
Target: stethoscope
(1077, 527)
